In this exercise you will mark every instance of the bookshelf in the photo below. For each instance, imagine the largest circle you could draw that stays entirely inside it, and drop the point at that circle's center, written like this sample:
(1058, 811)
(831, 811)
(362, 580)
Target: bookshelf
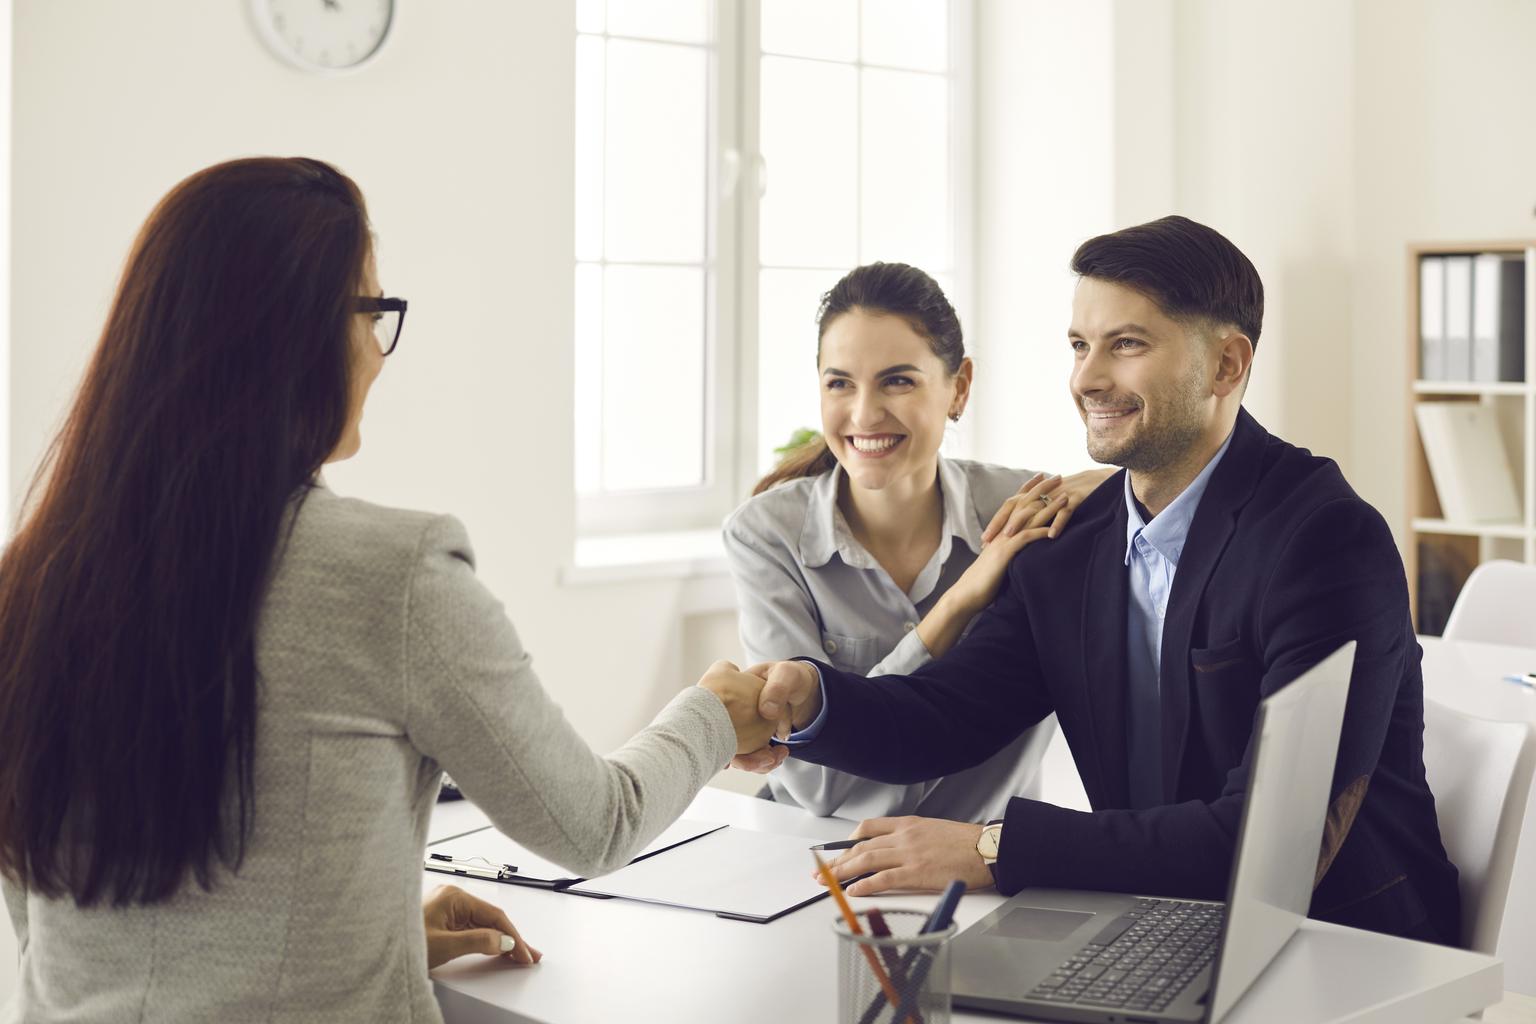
(1441, 553)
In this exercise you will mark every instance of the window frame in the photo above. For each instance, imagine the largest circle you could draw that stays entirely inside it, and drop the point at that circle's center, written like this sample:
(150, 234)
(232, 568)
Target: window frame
(734, 187)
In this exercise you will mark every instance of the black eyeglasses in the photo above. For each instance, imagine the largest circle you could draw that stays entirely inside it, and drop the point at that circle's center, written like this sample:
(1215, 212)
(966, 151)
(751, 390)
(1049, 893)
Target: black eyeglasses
(388, 317)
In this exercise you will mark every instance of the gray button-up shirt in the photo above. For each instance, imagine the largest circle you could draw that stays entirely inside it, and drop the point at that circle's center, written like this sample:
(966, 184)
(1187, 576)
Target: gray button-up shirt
(807, 587)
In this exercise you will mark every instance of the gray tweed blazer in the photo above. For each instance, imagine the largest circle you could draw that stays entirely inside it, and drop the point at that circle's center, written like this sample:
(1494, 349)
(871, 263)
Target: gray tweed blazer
(383, 662)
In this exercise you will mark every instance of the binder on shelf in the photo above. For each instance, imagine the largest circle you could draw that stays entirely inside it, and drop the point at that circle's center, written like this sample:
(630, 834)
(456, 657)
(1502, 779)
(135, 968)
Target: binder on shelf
(1432, 318)
(1458, 318)
(1498, 318)
(1467, 462)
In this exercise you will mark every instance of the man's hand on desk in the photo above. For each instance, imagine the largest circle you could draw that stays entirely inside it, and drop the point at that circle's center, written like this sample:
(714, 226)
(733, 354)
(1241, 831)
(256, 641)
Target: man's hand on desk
(739, 692)
(912, 853)
(790, 700)
(459, 924)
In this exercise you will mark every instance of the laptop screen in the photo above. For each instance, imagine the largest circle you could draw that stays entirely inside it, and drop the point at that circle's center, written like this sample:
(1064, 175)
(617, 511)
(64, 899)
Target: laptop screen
(1282, 826)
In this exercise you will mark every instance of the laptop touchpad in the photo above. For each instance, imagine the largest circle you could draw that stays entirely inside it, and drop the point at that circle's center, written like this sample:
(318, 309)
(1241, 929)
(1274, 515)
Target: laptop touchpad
(1039, 924)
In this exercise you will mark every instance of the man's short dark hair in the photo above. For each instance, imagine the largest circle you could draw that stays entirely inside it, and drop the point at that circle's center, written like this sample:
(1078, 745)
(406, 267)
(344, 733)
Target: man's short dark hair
(1190, 271)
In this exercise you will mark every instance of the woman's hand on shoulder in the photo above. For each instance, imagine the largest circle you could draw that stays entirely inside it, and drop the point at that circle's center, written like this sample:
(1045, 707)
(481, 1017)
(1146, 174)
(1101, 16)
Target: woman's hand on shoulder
(1044, 501)
(459, 924)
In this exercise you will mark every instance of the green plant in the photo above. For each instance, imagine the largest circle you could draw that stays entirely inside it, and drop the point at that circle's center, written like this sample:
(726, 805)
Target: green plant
(799, 439)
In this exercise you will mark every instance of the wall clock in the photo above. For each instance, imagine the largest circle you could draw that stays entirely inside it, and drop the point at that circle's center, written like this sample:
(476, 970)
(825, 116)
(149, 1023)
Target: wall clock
(324, 36)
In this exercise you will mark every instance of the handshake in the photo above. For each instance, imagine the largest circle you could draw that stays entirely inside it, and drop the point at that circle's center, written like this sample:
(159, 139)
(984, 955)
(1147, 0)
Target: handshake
(764, 701)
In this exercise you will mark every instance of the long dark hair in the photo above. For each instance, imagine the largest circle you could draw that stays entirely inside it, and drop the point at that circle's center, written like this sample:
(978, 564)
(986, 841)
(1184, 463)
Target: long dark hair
(889, 289)
(129, 596)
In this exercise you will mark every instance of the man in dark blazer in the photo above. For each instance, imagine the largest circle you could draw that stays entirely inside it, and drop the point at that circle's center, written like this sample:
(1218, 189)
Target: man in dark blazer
(1217, 568)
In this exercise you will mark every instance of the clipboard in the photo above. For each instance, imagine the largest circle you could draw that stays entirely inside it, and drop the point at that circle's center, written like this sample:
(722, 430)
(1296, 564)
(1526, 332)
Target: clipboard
(734, 873)
(490, 854)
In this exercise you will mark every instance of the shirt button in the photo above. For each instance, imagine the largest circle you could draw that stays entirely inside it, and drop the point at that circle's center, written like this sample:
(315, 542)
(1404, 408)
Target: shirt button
(830, 646)
(907, 627)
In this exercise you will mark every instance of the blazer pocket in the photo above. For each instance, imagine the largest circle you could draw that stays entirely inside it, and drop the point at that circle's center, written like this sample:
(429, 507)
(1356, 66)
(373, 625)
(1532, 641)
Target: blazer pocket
(850, 653)
(1226, 691)
(1206, 660)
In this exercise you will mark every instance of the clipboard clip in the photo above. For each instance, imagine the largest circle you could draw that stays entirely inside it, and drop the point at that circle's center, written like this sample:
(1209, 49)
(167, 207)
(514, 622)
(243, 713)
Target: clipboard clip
(472, 867)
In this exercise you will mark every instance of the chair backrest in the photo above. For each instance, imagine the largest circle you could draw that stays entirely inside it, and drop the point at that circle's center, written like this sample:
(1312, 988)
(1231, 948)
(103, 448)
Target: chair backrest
(1495, 605)
(1480, 772)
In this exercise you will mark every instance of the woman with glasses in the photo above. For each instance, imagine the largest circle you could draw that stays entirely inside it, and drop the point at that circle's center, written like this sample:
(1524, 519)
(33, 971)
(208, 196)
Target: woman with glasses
(228, 695)
(870, 549)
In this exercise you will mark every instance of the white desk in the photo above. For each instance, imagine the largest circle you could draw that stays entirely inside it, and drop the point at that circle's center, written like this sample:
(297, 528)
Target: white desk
(614, 960)
(1469, 677)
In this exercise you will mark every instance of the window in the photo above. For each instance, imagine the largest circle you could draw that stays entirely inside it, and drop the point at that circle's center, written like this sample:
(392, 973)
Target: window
(733, 160)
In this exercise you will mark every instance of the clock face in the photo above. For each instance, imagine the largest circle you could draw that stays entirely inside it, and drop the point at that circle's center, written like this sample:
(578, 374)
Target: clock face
(324, 35)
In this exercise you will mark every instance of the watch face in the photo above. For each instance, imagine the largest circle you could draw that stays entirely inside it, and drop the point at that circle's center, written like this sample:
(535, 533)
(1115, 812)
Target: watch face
(324, 35)
(987, 844)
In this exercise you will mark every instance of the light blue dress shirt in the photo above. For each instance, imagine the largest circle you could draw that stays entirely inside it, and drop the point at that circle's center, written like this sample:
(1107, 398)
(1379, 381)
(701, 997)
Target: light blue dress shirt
(1152, 552)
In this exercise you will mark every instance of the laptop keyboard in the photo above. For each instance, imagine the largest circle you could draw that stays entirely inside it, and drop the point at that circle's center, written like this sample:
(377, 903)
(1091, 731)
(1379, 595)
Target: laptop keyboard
(1141, 960)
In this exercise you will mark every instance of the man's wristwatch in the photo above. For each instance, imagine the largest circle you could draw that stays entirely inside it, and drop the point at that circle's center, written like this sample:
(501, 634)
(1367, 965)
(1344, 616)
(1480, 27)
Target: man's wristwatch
(987, 845)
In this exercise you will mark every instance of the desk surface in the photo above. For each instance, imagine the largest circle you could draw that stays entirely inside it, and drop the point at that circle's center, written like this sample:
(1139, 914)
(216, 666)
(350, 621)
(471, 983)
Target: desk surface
(1470, 678)
(614, 960)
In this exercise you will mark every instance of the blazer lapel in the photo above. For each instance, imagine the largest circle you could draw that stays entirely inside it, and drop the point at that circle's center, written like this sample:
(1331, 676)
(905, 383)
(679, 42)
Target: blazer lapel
(1106, 597)
(1231, 486)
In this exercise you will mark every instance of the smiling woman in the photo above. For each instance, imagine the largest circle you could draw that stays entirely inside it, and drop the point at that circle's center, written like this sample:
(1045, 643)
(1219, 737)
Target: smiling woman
(866, 546)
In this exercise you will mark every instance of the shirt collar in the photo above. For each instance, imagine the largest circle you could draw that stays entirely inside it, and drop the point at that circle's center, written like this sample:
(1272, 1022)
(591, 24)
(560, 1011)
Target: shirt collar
(1170, 528)
(826, 532)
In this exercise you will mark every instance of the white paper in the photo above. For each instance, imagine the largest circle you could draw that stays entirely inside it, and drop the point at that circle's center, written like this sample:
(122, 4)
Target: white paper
(499, 850)
(732, 871)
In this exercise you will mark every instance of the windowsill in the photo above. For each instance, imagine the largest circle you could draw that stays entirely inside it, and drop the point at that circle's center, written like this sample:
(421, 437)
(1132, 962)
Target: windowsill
(694, 557)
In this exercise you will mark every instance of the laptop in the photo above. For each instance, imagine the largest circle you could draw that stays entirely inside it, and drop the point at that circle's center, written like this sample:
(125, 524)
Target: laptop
(1112, 958)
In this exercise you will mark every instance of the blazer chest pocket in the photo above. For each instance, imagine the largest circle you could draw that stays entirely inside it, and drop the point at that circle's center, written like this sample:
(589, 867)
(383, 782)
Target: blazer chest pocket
(1226, 691)
(850, 653)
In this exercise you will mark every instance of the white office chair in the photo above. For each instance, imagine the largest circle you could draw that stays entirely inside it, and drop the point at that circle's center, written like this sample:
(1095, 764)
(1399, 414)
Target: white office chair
(1480, 772)
(1494, 606)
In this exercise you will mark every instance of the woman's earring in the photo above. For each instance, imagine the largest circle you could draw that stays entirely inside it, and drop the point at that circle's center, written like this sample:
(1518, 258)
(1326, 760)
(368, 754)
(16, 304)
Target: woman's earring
(954, 417)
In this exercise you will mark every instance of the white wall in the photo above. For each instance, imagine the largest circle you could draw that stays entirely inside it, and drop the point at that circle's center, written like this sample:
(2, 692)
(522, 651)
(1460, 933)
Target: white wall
(1264, 128)
(461, 138)
(1044, 182)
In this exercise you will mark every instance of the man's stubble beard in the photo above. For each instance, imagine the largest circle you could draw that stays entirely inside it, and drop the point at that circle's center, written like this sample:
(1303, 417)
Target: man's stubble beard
(1149, 450)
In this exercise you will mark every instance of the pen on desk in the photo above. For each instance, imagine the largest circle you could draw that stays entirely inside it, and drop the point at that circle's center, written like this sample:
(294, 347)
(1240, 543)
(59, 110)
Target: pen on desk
(1527, 680)
(840, 844)
(852, 920)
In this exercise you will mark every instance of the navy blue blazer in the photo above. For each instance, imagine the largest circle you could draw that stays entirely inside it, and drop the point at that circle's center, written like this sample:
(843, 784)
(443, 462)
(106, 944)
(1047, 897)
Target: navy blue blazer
(1284, 563)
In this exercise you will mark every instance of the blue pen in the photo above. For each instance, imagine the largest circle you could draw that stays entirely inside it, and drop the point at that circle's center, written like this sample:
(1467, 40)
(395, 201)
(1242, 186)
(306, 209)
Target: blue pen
(944, 910)
(1528, 680)
(938, 921)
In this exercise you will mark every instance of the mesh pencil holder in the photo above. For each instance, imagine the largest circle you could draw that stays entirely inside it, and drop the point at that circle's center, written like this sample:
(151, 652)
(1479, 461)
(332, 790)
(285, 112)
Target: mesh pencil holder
(913, 967)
